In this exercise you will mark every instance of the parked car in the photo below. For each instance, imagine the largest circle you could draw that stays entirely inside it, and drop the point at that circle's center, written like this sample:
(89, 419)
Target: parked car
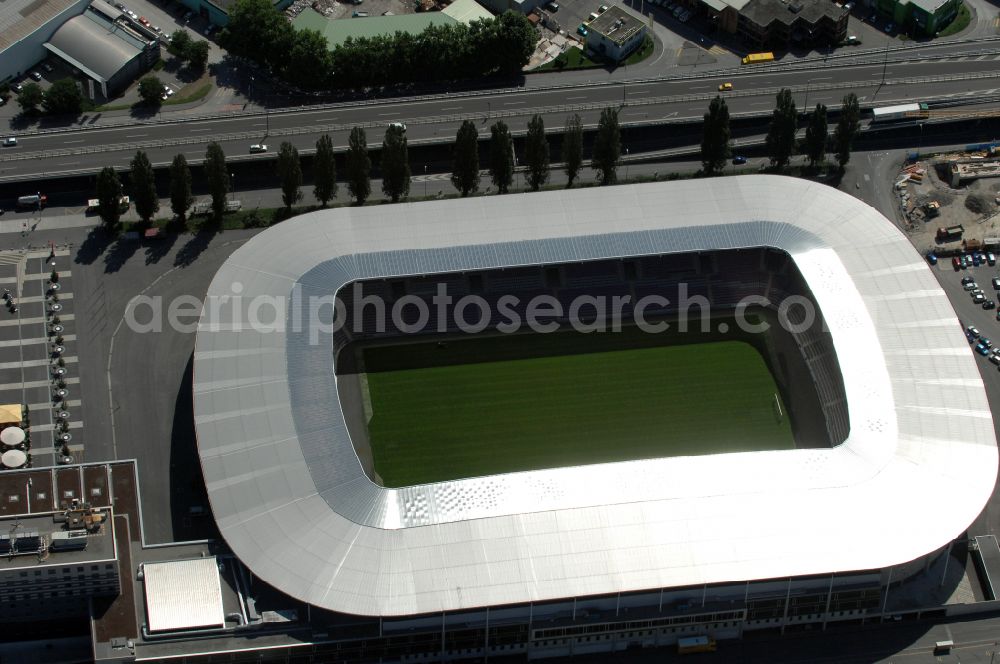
(982, 350)
(258, 147)
(35, 76)
(932, 258)
(889, 27)
(9, 142)
(187, 16)
(17, 87)
(978, 298)
(47, 67)
(991, 259)
(398, 125)
(553, 6)
(956, 263)
(972, 329)
(739, 159)
(581, 30)
(967, 280)
(975, 260)
(989, 304)
(996, 283)
(970, 285)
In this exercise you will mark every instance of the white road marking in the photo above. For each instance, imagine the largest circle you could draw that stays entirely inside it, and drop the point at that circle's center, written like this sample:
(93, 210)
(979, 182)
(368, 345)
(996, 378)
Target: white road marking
(513, 103)
(452, 108)
(641, 92)
(68, 163)
(193, 129)
(68, 142)
(579, 97)
(136, 135)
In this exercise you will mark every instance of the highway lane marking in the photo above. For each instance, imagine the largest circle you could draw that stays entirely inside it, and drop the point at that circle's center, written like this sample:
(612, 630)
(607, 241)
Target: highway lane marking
(821, 78)
(641, 92)
(195, 129)
(513, 103)
(700, 87)
(259, 124)
(580, 97)
(68, 163)
(386, 115)
(452, 108)
(135, 135)
(68, 142)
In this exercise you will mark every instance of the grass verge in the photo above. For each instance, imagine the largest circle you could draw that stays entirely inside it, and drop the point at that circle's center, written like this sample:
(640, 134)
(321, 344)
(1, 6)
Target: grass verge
(959, 23)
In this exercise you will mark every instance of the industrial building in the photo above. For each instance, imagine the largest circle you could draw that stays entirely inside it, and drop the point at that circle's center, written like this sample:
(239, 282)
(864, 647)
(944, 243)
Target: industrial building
(108, 49)
(615, 34)
(921, 18)
(216, 12)
(606, 556)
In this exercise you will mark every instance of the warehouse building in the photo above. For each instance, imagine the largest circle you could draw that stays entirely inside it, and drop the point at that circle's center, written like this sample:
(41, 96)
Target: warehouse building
(25, 26)
(108, 49)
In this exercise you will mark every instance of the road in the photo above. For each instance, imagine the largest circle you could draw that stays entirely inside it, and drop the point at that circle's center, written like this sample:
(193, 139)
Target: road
(436, 119)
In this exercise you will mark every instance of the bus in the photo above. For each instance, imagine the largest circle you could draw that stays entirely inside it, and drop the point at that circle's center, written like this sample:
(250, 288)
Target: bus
(93, 204)
(899, 112)
(756, 58)
(692, 644)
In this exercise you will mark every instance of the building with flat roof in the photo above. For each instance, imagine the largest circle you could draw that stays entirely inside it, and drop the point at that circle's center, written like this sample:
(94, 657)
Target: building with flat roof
(782, 24)
(337, 31)
(918, 17)
(615, 34)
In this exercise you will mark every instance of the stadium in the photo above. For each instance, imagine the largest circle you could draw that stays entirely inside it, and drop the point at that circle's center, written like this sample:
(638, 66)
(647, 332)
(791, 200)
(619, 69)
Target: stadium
(806, 428)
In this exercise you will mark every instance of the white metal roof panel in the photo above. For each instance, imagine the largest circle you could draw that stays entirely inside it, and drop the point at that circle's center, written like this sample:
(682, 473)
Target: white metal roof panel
(293, 502)
(183, 595)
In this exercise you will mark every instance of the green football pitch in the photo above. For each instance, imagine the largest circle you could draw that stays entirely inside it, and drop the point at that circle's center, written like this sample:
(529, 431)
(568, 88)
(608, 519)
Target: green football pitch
(438, 423)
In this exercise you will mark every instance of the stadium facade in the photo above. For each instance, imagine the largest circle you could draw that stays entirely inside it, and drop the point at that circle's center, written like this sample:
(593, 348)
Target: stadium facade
(604, 556)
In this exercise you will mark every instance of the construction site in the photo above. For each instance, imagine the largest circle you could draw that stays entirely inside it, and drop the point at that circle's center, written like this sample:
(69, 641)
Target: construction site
(940, 194)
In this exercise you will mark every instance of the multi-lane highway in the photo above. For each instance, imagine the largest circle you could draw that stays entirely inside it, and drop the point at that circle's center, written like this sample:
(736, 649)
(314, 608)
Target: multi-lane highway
(877, 78)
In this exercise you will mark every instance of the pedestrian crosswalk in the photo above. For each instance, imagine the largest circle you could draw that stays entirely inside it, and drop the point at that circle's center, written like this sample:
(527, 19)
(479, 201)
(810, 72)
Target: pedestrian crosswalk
(718, 50)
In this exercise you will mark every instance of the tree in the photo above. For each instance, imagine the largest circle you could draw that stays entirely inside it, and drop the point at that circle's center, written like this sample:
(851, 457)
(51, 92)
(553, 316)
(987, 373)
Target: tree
(816, 135)
(197, 54)
(536, 153)
(780, 140)
(465, 173)
(217, 177)
(150, 89)
(607, 147)
(359, 166)
(325, 168)
(511, 43)
(258, 30)
(308, 60)
(180, 187)
(290, 174)
(847, 128)
(30, 97)
(501, 156)
(572, 148)
(63, 98)
(109, 196)
(180, 41)
(395, 163)
(143, 187)
(715, 140)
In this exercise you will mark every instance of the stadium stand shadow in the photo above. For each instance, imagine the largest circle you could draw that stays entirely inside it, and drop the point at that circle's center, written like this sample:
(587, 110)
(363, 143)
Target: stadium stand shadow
(187, 487)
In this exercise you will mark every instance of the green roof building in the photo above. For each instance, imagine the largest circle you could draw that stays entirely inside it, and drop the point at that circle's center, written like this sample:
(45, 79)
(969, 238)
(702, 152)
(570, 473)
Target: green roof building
(337, 31)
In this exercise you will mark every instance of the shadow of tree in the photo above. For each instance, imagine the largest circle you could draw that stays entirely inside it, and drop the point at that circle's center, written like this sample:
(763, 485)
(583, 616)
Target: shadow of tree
(196, 245)
(158, 249)
(120, 252)
(96, 243)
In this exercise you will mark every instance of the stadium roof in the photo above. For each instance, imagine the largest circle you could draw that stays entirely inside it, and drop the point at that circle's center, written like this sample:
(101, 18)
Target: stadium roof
(291, 498)
(336, 31)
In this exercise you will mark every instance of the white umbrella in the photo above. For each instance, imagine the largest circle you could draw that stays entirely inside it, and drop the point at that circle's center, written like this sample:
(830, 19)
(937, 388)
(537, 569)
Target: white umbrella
(13, 458)
(12, 436)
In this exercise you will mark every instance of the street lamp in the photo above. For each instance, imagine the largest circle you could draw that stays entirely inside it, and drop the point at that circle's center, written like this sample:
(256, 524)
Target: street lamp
(232, 177)
(425, 180)
(626, 164)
